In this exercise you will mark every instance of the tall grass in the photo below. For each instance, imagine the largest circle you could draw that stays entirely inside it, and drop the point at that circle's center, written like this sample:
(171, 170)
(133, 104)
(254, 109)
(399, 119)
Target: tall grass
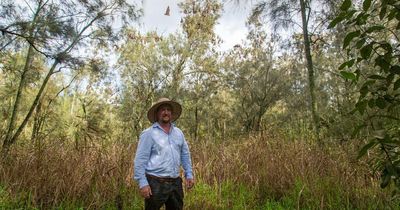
(295, 174)
(61, 176)
(256, 172)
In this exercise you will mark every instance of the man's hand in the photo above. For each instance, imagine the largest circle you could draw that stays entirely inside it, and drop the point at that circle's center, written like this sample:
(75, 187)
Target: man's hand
(189, 183)
(145, 191)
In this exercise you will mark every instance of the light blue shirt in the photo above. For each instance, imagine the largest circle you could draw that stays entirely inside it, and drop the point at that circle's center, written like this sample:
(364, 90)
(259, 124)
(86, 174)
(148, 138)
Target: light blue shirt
(161, 154)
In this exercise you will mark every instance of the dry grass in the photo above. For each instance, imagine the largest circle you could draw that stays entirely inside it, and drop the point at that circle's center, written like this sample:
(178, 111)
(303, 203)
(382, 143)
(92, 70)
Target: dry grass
(91, 177)
(277, 168)
(99, 176)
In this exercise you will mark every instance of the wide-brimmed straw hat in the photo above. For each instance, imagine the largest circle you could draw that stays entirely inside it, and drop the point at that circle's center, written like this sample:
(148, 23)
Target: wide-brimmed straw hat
(176, 109)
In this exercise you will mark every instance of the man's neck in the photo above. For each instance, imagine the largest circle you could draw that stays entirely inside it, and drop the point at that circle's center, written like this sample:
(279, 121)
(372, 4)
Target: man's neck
(165, 126)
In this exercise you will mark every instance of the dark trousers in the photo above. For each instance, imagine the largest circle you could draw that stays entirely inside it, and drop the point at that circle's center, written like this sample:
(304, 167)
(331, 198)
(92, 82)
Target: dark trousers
(168, 192)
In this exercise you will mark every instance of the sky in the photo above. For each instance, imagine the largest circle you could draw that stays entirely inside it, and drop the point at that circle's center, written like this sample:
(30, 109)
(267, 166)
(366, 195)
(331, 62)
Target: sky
(230, 28)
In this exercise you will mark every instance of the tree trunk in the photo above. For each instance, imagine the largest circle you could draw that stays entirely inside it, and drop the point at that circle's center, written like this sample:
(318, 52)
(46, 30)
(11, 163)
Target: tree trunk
(176, 79)
(17, 101)
(196, 125)
(311, 79)
(259, 116)
(13, 138)
(36, 122)
(9, 135)
(10, 139)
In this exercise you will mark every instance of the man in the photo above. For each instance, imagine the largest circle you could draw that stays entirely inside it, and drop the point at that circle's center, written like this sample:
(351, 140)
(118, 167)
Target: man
(161, 151)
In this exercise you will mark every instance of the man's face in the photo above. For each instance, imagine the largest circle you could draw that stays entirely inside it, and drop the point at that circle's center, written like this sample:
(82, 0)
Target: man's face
(164, 113)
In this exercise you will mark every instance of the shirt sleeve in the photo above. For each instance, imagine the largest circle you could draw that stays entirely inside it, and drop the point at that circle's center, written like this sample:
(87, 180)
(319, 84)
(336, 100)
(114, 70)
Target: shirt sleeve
(185, 159)
(141, 158)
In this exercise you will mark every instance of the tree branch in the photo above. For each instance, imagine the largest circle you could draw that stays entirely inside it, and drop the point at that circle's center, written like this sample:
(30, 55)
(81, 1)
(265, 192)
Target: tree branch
(28, 39)
(4, 47)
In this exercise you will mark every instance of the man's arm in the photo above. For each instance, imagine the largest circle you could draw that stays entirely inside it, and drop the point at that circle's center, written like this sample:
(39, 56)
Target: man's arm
(141, 158)
(187, 165)
(186, 161)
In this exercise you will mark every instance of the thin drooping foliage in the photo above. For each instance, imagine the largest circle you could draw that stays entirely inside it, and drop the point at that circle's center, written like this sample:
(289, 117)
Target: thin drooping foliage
(286, 14)
(53, 30)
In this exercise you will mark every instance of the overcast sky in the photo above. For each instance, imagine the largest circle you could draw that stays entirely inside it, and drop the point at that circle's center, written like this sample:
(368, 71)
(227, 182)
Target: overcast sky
(231, 26)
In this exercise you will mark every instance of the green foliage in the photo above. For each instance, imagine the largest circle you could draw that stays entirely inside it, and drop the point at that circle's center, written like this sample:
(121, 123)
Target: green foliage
(348, 75)
(225, 195)
(374, 42)
(22, 201)
(51, 31)
(305, 195)
(256, 82)
(345, 5)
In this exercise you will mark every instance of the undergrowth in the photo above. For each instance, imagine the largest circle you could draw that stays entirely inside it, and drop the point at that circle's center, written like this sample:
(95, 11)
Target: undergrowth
(255, 172)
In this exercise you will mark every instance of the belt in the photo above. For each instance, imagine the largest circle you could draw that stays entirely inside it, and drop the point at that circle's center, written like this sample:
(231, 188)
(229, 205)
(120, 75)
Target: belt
(162, 179)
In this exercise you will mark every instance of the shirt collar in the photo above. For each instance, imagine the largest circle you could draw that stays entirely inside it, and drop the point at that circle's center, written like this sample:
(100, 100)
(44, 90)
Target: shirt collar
(157, 125)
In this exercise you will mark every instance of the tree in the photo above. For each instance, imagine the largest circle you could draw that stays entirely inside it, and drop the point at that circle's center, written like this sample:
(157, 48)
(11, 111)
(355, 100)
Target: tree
(144, 66)
(372, 45)
(307, 51)
(282, 14)
(257, 81)
(54, 30)
(201, 73)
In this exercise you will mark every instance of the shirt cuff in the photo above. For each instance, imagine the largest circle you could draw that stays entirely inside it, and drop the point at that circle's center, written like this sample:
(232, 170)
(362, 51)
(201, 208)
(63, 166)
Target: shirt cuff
(143, 182)
(189, 175)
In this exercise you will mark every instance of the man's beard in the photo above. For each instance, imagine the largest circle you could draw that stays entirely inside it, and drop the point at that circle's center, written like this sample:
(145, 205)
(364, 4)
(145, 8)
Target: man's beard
(163, 120)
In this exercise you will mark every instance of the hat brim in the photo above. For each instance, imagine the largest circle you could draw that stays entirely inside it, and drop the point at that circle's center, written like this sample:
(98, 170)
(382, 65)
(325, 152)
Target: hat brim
(176, 110)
